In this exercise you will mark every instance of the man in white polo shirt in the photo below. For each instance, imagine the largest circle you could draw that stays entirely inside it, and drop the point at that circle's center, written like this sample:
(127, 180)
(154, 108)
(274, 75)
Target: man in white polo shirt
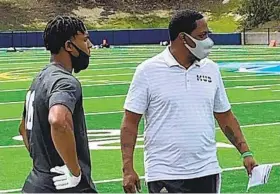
(180, 93)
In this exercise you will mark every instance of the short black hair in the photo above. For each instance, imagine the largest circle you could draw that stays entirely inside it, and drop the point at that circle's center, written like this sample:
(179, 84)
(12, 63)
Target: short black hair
(183, 21)
(59, 30)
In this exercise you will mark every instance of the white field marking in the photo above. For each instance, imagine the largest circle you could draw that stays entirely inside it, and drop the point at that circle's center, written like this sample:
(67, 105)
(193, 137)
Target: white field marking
(107, 84)
(94, 57)
(40, 64)
(39, 68)
(6, 120)
(84, 85)
(255, 75)
(257, 125)
(18, 80)
(93, 113)
(85, 98)
(101, 145)
(103, 139)
(24, 70)
(21, 71)
(255, 102)
(110, 133)
(13, 146)
(103, 75)
(109, 138)
(26, 73)
(97, 97)
(112, 75)
(103, 113)
(128, 82)
(140, 177)
(275, 90)
(16, 102)
(253, 89)
(121, 96)
(95, 81)
(13, 90)
(16, 68)
(242, 167)
(106, 134)
(46, 59)
(104, 144)
(93, 69)
(252, 86)
(248, 80)
(98, 75)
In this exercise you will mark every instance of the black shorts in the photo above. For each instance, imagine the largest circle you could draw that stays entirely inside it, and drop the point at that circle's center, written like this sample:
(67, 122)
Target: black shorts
(207, 184)
(71, 190)
(45, 185)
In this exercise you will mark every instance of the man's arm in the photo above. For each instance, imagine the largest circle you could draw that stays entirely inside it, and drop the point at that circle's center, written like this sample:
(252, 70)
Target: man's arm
(129, 131)
(22, 131)
(232, 131)
(62, 101)
(62, 132)
(231, 128)
(136, 104)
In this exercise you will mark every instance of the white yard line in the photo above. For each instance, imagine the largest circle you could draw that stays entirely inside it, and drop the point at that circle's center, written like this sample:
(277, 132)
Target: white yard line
(98, 75)
(107, 84)
(85, 98)
(6, 120)
(243, 126)
(14, 90)
(252, 75)
(257, 125)
(12, 146)
(41, 64)
(255, 102)
(98, 97)
(128, 82)
(256, 89)
(93, 113)
(252, 86)
(249, 80)
(141, 177)
(17, 80)
(120, 96)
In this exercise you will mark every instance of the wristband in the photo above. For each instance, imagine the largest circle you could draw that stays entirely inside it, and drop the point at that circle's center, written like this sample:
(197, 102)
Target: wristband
(246, 154)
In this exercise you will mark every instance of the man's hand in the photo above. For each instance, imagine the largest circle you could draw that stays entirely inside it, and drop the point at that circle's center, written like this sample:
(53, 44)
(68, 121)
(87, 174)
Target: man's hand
(66, 179)
(129, 131)
(131, 182)
(249, 163)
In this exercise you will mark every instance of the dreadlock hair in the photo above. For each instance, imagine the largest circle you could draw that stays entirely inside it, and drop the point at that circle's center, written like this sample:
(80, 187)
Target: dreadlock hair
(59, 30)
(183, 21)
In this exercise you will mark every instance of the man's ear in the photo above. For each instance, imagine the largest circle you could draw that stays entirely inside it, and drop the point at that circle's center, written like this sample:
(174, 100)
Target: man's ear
(182, 37)
(187, 40)
(68, 46)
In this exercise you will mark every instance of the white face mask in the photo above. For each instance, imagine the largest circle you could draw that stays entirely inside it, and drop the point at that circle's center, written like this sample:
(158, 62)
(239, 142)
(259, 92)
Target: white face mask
(202, 47)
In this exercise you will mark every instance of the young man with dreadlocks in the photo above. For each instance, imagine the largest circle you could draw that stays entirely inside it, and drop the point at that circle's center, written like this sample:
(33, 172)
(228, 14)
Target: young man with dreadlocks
(53, 125)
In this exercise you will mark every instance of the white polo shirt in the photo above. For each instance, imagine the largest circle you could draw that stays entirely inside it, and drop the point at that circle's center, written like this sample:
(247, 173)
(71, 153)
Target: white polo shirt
(178, 106)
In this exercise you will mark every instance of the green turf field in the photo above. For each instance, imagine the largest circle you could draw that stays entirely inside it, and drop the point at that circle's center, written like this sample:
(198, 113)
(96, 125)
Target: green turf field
(255, 100)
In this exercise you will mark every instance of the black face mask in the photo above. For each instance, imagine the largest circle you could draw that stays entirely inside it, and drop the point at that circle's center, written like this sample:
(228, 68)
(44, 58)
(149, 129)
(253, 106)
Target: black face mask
(80, 62)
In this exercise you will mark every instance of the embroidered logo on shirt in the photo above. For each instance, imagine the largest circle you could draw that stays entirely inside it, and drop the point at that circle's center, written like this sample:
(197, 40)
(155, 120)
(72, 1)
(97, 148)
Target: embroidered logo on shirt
(204, 78)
